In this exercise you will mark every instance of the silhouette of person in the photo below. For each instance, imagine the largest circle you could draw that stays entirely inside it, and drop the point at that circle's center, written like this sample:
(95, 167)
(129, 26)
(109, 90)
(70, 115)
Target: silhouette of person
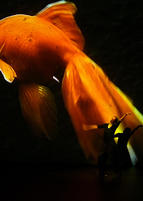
(123, 139)
(109, 159)
(115, 122)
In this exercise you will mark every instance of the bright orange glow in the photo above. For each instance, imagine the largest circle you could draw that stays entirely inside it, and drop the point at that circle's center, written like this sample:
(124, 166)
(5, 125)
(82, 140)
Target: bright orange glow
(92, 99)
(34, 48)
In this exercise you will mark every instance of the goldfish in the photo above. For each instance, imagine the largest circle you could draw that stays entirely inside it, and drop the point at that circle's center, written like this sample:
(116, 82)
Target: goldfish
(33, 49)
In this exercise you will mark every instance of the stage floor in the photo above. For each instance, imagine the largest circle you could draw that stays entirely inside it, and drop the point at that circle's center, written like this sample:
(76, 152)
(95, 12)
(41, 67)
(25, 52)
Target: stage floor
(62, 183)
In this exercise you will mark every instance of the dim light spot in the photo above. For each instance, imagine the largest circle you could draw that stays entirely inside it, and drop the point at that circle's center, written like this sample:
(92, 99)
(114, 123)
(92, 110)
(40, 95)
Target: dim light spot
(132, 154)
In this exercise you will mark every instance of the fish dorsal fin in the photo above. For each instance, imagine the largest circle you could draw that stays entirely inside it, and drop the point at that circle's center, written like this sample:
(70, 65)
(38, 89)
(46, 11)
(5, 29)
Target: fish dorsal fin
(7, 71)
(61, 15)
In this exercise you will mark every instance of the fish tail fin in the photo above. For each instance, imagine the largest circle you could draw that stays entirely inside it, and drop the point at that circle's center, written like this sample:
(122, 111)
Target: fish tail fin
(92, 99)
(39, 108)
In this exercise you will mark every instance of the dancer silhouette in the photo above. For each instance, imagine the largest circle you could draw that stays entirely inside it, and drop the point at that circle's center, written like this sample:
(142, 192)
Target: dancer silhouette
(123, 139)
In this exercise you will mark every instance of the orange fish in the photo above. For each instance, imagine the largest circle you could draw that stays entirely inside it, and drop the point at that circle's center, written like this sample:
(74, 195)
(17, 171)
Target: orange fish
(33, 49)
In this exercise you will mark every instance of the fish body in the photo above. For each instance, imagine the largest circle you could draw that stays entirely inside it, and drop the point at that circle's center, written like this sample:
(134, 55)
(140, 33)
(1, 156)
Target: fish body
(34, 48)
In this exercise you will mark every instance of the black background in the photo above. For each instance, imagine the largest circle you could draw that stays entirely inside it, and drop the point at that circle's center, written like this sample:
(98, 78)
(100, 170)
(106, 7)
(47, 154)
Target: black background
(113, 34)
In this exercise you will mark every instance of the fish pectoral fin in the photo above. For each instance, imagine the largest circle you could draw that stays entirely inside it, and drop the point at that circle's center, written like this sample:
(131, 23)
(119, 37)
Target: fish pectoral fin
(39, 109)
(7, 71)
(61, 15)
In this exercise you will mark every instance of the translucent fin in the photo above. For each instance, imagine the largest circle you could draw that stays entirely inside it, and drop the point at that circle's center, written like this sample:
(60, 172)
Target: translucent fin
(92, 99)
(39, 108)
(7, 71)
(61, 15)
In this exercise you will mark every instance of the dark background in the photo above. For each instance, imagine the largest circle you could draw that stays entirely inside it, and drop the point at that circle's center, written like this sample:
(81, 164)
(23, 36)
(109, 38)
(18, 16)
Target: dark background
(113, 34)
